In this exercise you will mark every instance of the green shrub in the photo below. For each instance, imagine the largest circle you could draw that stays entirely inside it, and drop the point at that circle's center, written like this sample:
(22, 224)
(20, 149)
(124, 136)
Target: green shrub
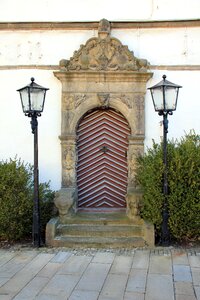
(16, 200)
(184, 186)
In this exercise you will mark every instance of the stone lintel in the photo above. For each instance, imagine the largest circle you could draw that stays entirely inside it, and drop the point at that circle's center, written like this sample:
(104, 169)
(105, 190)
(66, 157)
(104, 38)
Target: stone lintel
(103, 76)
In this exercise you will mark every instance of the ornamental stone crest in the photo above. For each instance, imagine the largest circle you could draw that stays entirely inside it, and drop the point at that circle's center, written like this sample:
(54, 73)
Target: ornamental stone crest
(104, 53)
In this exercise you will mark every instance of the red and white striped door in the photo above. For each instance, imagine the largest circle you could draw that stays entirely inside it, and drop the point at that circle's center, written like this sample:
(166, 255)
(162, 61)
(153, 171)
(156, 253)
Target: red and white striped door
(102, 161)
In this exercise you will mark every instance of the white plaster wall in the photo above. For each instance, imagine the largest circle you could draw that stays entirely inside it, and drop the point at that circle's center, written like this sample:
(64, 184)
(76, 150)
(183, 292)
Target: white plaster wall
(92, 10)
(160, 46)
(166, 46)
(15, 129)
(186, 117)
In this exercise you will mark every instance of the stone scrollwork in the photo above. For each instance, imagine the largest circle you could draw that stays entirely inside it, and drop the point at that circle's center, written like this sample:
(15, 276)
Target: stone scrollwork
(127, 101)
(79, 99)
(68, 101)
(71, 101)
(104, 53)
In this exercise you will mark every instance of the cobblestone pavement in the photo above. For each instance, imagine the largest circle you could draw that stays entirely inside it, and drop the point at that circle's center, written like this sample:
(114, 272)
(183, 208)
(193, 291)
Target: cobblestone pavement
(89, 274)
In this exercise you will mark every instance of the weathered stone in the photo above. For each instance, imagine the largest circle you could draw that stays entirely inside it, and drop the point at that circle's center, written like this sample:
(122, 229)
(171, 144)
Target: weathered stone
(64, 200)
(102, 74)
(104, 53)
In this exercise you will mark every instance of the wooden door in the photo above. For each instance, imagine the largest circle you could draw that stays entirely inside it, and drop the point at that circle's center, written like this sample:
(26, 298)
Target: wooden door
(102, 160)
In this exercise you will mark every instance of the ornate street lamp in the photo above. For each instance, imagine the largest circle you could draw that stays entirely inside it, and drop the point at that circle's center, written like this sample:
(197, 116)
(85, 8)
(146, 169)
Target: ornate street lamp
(32, 99)
(165, 95)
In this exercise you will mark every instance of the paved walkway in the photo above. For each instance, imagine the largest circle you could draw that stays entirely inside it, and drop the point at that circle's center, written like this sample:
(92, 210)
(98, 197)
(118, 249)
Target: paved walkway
(52, 274)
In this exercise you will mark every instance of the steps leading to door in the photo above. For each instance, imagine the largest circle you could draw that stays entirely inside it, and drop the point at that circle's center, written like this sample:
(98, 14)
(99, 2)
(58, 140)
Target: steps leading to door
(100, 230)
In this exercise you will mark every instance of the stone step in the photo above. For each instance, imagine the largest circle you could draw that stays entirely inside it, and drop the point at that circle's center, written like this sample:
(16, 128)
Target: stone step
(114, 218)
(98, 230)
(98, 242)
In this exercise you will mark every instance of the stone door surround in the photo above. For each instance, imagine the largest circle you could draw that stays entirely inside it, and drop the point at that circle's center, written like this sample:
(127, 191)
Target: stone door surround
(102, 73)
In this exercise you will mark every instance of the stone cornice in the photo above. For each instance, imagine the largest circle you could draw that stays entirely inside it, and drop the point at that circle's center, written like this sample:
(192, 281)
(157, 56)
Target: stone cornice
(57, 67)
(103, 76)
(94, 25)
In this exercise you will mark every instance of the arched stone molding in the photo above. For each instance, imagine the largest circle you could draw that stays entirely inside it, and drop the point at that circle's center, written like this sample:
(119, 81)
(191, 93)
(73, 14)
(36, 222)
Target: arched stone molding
(102, 73)
(130, 105)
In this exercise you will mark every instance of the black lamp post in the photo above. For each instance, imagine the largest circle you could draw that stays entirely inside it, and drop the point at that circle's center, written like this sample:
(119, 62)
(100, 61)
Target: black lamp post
(165, 96)
(32, 99)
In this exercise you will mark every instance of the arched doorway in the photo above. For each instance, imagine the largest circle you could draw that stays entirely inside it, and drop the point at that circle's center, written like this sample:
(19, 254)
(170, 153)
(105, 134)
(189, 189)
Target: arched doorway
(102, 160)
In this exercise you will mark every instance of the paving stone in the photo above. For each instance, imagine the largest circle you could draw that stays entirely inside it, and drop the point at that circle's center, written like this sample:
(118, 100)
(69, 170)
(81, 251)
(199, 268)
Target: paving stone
(60, 286)
(15, 264)
(75, 265)
(185, 297)
(182, 273)
(194, 261)
(184, 288)
(197, 291)
(180, 258)
(103, 258)
(196, 275)
(50, 269)
(160, 264)
(3, 280)
(5, 256)
(137, 281)
(133, 296)
(32, 289)
(5, 296)
(99, 274)
(38, 263)
(84, 295)
(159, 287)
(22, 278)
(94, 277)
(121, 265)
(141, 260)
(61, 257)
(114, 287)
(49, 297)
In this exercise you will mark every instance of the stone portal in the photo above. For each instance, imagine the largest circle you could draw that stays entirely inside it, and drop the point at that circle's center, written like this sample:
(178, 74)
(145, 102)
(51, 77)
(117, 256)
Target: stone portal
(102, 75)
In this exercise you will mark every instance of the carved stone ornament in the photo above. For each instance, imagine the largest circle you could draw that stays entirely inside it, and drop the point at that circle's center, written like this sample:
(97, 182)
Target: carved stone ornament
(71, 101)
(133, 201)
(132, 165)
(68, 166)
(104, 53)
(125, 99)
(63, 201)
(104, 99)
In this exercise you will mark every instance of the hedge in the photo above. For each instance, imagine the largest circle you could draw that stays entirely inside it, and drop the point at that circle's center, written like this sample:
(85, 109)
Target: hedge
(16, 200)
(184, 186)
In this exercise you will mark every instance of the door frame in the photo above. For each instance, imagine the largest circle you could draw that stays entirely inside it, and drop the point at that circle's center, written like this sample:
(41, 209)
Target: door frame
(102, 73)
(111, 209)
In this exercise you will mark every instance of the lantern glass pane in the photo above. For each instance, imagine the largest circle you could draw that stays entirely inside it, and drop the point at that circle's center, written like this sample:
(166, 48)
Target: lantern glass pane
(157, 95)
(170, 98)
(25, 100)
(37, 99)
